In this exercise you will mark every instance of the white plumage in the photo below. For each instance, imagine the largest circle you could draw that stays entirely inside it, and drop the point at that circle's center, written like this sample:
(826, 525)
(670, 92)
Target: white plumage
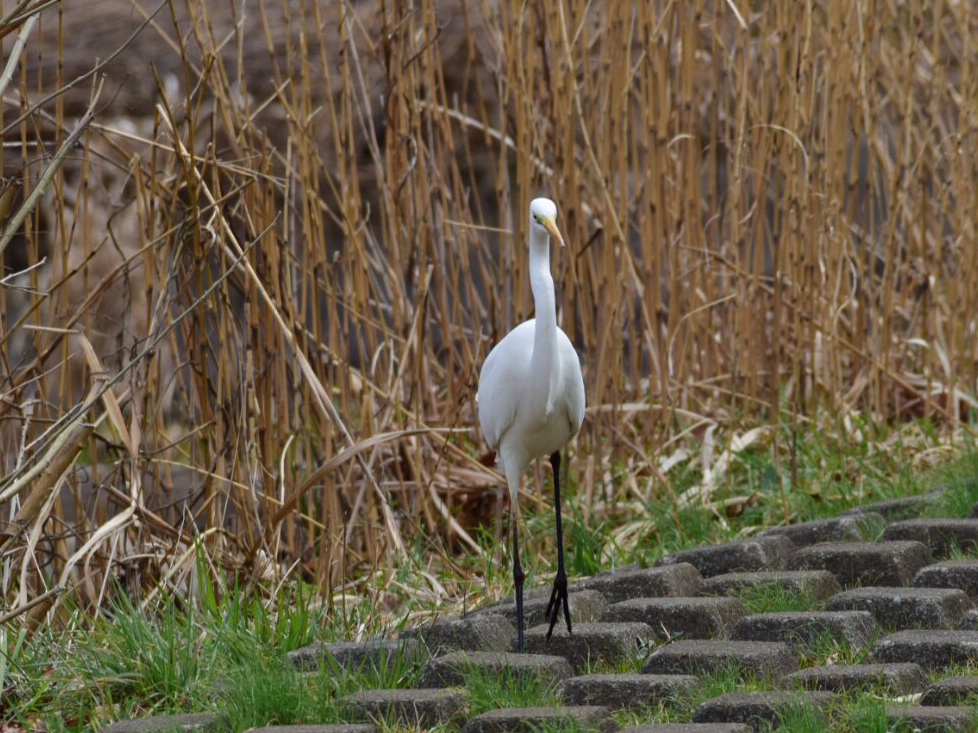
(531, 398)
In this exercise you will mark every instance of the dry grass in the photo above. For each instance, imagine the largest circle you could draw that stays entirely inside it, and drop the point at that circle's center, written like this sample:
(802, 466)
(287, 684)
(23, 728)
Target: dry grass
(266, 269)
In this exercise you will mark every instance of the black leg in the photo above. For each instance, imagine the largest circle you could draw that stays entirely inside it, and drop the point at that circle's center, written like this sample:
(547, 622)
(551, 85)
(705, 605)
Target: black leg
(558, 599)
(518, 577)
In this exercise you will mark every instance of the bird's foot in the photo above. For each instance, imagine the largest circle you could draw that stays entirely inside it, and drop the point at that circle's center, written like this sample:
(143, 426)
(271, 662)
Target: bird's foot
(558, 601)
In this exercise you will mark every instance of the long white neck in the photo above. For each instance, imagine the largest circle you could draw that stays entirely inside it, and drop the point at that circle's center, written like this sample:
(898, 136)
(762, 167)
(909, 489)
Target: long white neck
(543, 362)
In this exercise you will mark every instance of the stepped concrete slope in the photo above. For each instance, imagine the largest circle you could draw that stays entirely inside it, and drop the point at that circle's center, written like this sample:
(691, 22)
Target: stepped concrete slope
(896, 592)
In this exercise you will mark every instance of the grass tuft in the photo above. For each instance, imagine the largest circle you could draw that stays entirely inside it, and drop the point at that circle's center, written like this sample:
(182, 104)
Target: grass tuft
(776, 597)
(488, 691)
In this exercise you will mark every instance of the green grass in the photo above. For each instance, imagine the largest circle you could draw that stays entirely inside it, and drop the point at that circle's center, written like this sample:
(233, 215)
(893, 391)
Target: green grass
(776, 598)
(270, 691)
(958, 483)
(228, 657)
(715, 684)
(225, 648)
(956, 552)
(176, 657)
(491, 690)
(832, 476)
(867, 714)
(830, 649)
(955, 670)
(802, 717)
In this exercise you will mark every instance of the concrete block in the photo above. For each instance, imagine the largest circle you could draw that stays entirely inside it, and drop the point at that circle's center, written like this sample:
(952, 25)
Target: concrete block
(906, 608)
(484, 632)
(818, 584)
(585, 606)
(761, 710)
(929, 649)
(412, 707)
(864, 563)
(689, 618)
(191, 723)
(952, 691)
(806, 630)
(969, 622)
(932, 719)
(621, 691)
(338, 728)
(893, 510)
(758, 553)
(761, 659)
(892, 679)
(847, 528)
(961, 574)
(689, 728)
(532, 720)
(450, 670)
(609, 643)
(680, 579)
(940, 535)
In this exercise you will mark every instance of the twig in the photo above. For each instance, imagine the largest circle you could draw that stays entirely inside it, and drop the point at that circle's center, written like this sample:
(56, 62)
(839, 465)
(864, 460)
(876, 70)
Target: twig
(88, 74)
(52, 433)
(43, 598)
(321, 396)
(13, 225)
(8, 70)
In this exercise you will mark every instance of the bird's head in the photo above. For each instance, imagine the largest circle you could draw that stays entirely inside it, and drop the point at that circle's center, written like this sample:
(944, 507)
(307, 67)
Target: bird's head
(543, 213)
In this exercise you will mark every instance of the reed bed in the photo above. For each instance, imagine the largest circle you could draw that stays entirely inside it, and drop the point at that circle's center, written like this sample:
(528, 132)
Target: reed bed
(255, 253)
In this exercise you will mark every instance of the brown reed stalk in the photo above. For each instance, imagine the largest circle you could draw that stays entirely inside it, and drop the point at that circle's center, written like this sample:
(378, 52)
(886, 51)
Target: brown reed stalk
(295, 240)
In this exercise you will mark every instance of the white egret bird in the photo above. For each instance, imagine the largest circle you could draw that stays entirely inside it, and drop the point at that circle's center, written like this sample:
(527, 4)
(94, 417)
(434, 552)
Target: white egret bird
(531, 401)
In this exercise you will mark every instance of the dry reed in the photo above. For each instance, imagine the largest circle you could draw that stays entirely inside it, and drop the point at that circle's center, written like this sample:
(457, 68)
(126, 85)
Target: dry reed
(292, 240)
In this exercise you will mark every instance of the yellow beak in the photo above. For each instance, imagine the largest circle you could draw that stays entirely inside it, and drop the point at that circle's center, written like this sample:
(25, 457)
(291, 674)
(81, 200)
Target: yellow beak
(551, 226)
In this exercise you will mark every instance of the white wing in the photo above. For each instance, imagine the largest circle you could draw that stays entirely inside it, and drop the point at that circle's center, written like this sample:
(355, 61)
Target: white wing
(505, 369)
(572, 382)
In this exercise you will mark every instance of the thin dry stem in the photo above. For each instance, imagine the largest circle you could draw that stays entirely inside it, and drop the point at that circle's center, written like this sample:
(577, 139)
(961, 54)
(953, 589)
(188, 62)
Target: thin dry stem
(770, 215)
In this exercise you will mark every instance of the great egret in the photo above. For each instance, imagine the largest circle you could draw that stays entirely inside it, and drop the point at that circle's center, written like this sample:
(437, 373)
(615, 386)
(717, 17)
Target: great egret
(531, 401)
